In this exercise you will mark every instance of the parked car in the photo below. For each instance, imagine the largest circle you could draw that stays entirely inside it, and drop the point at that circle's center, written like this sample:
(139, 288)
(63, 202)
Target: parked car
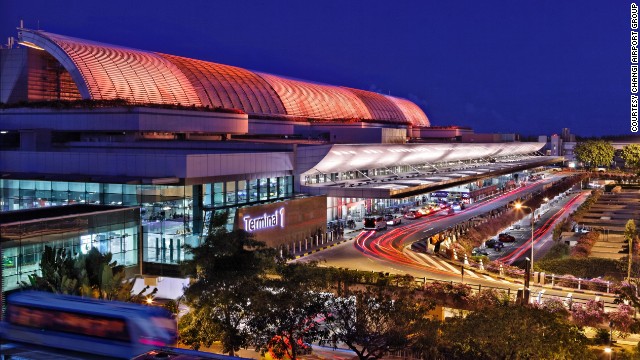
(491, 243)
(393, 219)
(504, 237)
(478, 252)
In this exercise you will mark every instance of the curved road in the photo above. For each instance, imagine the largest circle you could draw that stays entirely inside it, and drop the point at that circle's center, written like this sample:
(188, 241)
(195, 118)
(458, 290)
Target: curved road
(388, 251)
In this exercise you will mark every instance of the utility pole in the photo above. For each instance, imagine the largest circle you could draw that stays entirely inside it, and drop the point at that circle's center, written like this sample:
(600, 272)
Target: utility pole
(630, 259)
(630, 233)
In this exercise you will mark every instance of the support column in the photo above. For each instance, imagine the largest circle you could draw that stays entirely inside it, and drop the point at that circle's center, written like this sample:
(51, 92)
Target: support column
(198, 213)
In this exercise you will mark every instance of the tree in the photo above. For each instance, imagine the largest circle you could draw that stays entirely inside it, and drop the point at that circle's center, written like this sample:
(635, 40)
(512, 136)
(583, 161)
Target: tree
(595, 153)
(631, 155)
(228, 271)
(92, 274)
(59, 273)
(380, 319)
(513, 332)
(292, 310)
(589, 314)
(630, 233)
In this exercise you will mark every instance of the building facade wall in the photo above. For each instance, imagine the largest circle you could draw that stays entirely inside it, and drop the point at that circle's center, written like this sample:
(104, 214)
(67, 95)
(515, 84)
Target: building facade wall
(113, 231)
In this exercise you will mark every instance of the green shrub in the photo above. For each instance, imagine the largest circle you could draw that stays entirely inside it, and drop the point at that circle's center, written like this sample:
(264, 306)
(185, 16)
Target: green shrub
(601, 337)
(557, 251)
(579, 267)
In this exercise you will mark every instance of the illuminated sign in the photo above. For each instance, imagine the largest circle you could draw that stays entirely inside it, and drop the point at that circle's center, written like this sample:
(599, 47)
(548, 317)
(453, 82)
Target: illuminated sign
(266, 221)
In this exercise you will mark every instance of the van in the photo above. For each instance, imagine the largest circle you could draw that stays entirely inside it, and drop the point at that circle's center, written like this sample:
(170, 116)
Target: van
(375, 222)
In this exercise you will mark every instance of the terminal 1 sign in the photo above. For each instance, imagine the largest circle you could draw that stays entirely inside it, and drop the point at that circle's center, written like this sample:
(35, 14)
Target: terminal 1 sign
(284, 222)
(266, 221)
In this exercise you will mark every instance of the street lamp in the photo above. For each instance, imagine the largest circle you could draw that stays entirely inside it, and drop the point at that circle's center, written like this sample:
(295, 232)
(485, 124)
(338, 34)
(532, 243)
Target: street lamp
(520, 206)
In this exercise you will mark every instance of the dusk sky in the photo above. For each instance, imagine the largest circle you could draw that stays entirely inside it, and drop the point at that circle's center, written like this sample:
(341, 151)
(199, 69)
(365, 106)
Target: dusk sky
(529, 67)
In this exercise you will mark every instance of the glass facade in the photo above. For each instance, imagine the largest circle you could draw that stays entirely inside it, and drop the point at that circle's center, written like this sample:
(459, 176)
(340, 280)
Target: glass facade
(167, 211)
(222, 195)
(230, 195)
(114, 231)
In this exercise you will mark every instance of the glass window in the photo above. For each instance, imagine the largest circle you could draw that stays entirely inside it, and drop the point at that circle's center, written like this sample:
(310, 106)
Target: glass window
(27, 184)
(218, 194)
(273, 188)
(130, 189)
(231, 192)
(253, 190)
(263, 189)
(206, 201)
(75, 186)
(60, 186)
(112, 188)
(242, 191)
(289, 186)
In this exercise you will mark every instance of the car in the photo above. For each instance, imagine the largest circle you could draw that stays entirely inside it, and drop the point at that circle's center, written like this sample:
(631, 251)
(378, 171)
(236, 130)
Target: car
(504, 237)
(494, 244)
(393, 219)
(410, 215)
(375, 222)
(479, 252)
(413, 214)
(491, 243)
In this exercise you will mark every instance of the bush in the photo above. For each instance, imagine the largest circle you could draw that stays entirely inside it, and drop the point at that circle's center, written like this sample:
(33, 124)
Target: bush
(622, 319)
(488, 298)
(589, 314)
(456, 294)
(557, 251)
(585, 244)
(554, 305)
(513, 271)
(586, 268)
(601, 337)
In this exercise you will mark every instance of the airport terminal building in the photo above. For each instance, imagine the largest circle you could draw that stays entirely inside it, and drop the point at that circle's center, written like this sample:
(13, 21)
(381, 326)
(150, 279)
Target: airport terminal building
(83, 122)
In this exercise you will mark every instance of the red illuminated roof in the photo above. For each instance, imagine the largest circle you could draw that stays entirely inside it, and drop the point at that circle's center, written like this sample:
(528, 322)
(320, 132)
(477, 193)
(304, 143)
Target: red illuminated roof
(317, 101)
(103, 71)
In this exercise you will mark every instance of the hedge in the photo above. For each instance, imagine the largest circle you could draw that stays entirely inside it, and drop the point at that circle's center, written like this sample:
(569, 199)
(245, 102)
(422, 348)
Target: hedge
(585, 268)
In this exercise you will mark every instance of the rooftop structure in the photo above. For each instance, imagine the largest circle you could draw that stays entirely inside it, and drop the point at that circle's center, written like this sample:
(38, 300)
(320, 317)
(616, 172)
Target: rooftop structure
(103, 72)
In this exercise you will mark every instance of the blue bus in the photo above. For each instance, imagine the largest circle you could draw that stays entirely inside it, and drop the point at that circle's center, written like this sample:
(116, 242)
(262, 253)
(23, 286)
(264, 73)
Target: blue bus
(97, 327)
(183, 354)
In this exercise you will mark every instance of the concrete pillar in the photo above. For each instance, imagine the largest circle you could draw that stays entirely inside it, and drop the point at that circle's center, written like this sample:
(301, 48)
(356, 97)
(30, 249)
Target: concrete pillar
(198, 212)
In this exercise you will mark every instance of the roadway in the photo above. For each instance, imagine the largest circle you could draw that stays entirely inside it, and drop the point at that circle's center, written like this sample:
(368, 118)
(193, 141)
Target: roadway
(389, 251)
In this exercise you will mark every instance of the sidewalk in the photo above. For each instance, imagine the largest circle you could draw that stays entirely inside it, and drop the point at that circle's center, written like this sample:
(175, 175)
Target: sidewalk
(349, 234)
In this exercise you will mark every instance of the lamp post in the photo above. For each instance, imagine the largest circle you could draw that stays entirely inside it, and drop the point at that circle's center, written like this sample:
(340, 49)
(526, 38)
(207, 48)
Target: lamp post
(520, 206)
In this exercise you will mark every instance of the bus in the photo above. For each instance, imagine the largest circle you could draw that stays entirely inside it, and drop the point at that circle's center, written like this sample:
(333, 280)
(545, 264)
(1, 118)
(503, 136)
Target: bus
(97, 327)
(183, 354)
(375, 222)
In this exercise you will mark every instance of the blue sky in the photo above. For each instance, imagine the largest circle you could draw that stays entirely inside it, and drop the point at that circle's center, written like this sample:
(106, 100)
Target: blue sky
(498, 66)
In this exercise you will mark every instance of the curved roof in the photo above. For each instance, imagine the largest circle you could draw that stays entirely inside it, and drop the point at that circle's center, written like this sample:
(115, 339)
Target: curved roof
(317, 101)
(108, 72)
(229, 86)
(103, 71)
(411, 111)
